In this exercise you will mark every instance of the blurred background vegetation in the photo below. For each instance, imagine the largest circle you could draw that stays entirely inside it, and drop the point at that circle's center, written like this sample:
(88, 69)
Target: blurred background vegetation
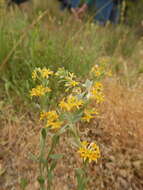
(58, 40)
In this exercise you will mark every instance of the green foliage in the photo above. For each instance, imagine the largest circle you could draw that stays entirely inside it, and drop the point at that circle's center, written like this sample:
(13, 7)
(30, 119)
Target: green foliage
(58, 41)
(81, 179)
(134, 14)
(23, 183)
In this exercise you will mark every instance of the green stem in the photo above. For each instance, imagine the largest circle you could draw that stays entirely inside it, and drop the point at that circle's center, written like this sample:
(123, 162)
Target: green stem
(75, 134)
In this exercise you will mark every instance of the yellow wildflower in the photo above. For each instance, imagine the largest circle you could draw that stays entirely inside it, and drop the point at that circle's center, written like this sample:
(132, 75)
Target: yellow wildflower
(51, 115)
(72, 103)
(89, 114)
(52, 119)
(97, 73)
(84, 143)
(34, 75)
(96, 92)
(96, 70)
(43, 115)
(54, 124)
(72, 75)
(98, 86)
(89, 151)
(109, 73)
(63, 105)
(69, 80)
(44, 73)
(97, 95)
(39, 91)
(71, 83)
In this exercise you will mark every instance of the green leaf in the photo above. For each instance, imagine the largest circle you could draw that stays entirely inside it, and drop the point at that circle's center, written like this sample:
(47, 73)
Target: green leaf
(63, 129)
(41, 180)
(55, 140)
(79, 171)
(44, 133)
(56, 156)
(88, 84)
(53, 165)
(43, 160)
(81, 179)
(77, 116)
(50, 176)
(23, 183)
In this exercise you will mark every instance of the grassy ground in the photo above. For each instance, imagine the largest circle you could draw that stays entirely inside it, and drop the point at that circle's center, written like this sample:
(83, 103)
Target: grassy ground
(58, 40)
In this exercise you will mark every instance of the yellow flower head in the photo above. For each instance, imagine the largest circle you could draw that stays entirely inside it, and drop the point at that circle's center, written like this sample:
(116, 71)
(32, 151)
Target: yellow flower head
(109, 73)
(97, 92)
(70, 80)
(43, 115)
(42, 73)
(54, 124)
(71, 83)
(98, 86)
(97, 95)
(97, 71)
(39, 91)
(71, 103)
(45, 73)
(52, 119)
(89, 114)
(51, 115)
(34, 75)
(89, 151)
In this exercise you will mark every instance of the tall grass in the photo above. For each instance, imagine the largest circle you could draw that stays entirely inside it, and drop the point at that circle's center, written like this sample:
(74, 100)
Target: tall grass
(58, 40)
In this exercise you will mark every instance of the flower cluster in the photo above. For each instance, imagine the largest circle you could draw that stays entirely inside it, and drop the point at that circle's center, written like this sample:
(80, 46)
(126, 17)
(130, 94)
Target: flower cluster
(71, 103)
(89, 151)
(40, 90)
(99, 70)
(70, 81)
(52, 119)
(96, 92)
(75, 104)
(41, 73)
(68, 78)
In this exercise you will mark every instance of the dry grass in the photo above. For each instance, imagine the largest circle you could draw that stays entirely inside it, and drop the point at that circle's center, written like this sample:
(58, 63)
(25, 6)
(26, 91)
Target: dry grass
(124, 114)
(119, 133)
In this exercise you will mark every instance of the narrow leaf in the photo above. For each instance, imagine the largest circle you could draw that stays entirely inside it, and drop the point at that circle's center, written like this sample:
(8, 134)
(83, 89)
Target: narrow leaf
(44, 133)
(56, 156)
(41, 180)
